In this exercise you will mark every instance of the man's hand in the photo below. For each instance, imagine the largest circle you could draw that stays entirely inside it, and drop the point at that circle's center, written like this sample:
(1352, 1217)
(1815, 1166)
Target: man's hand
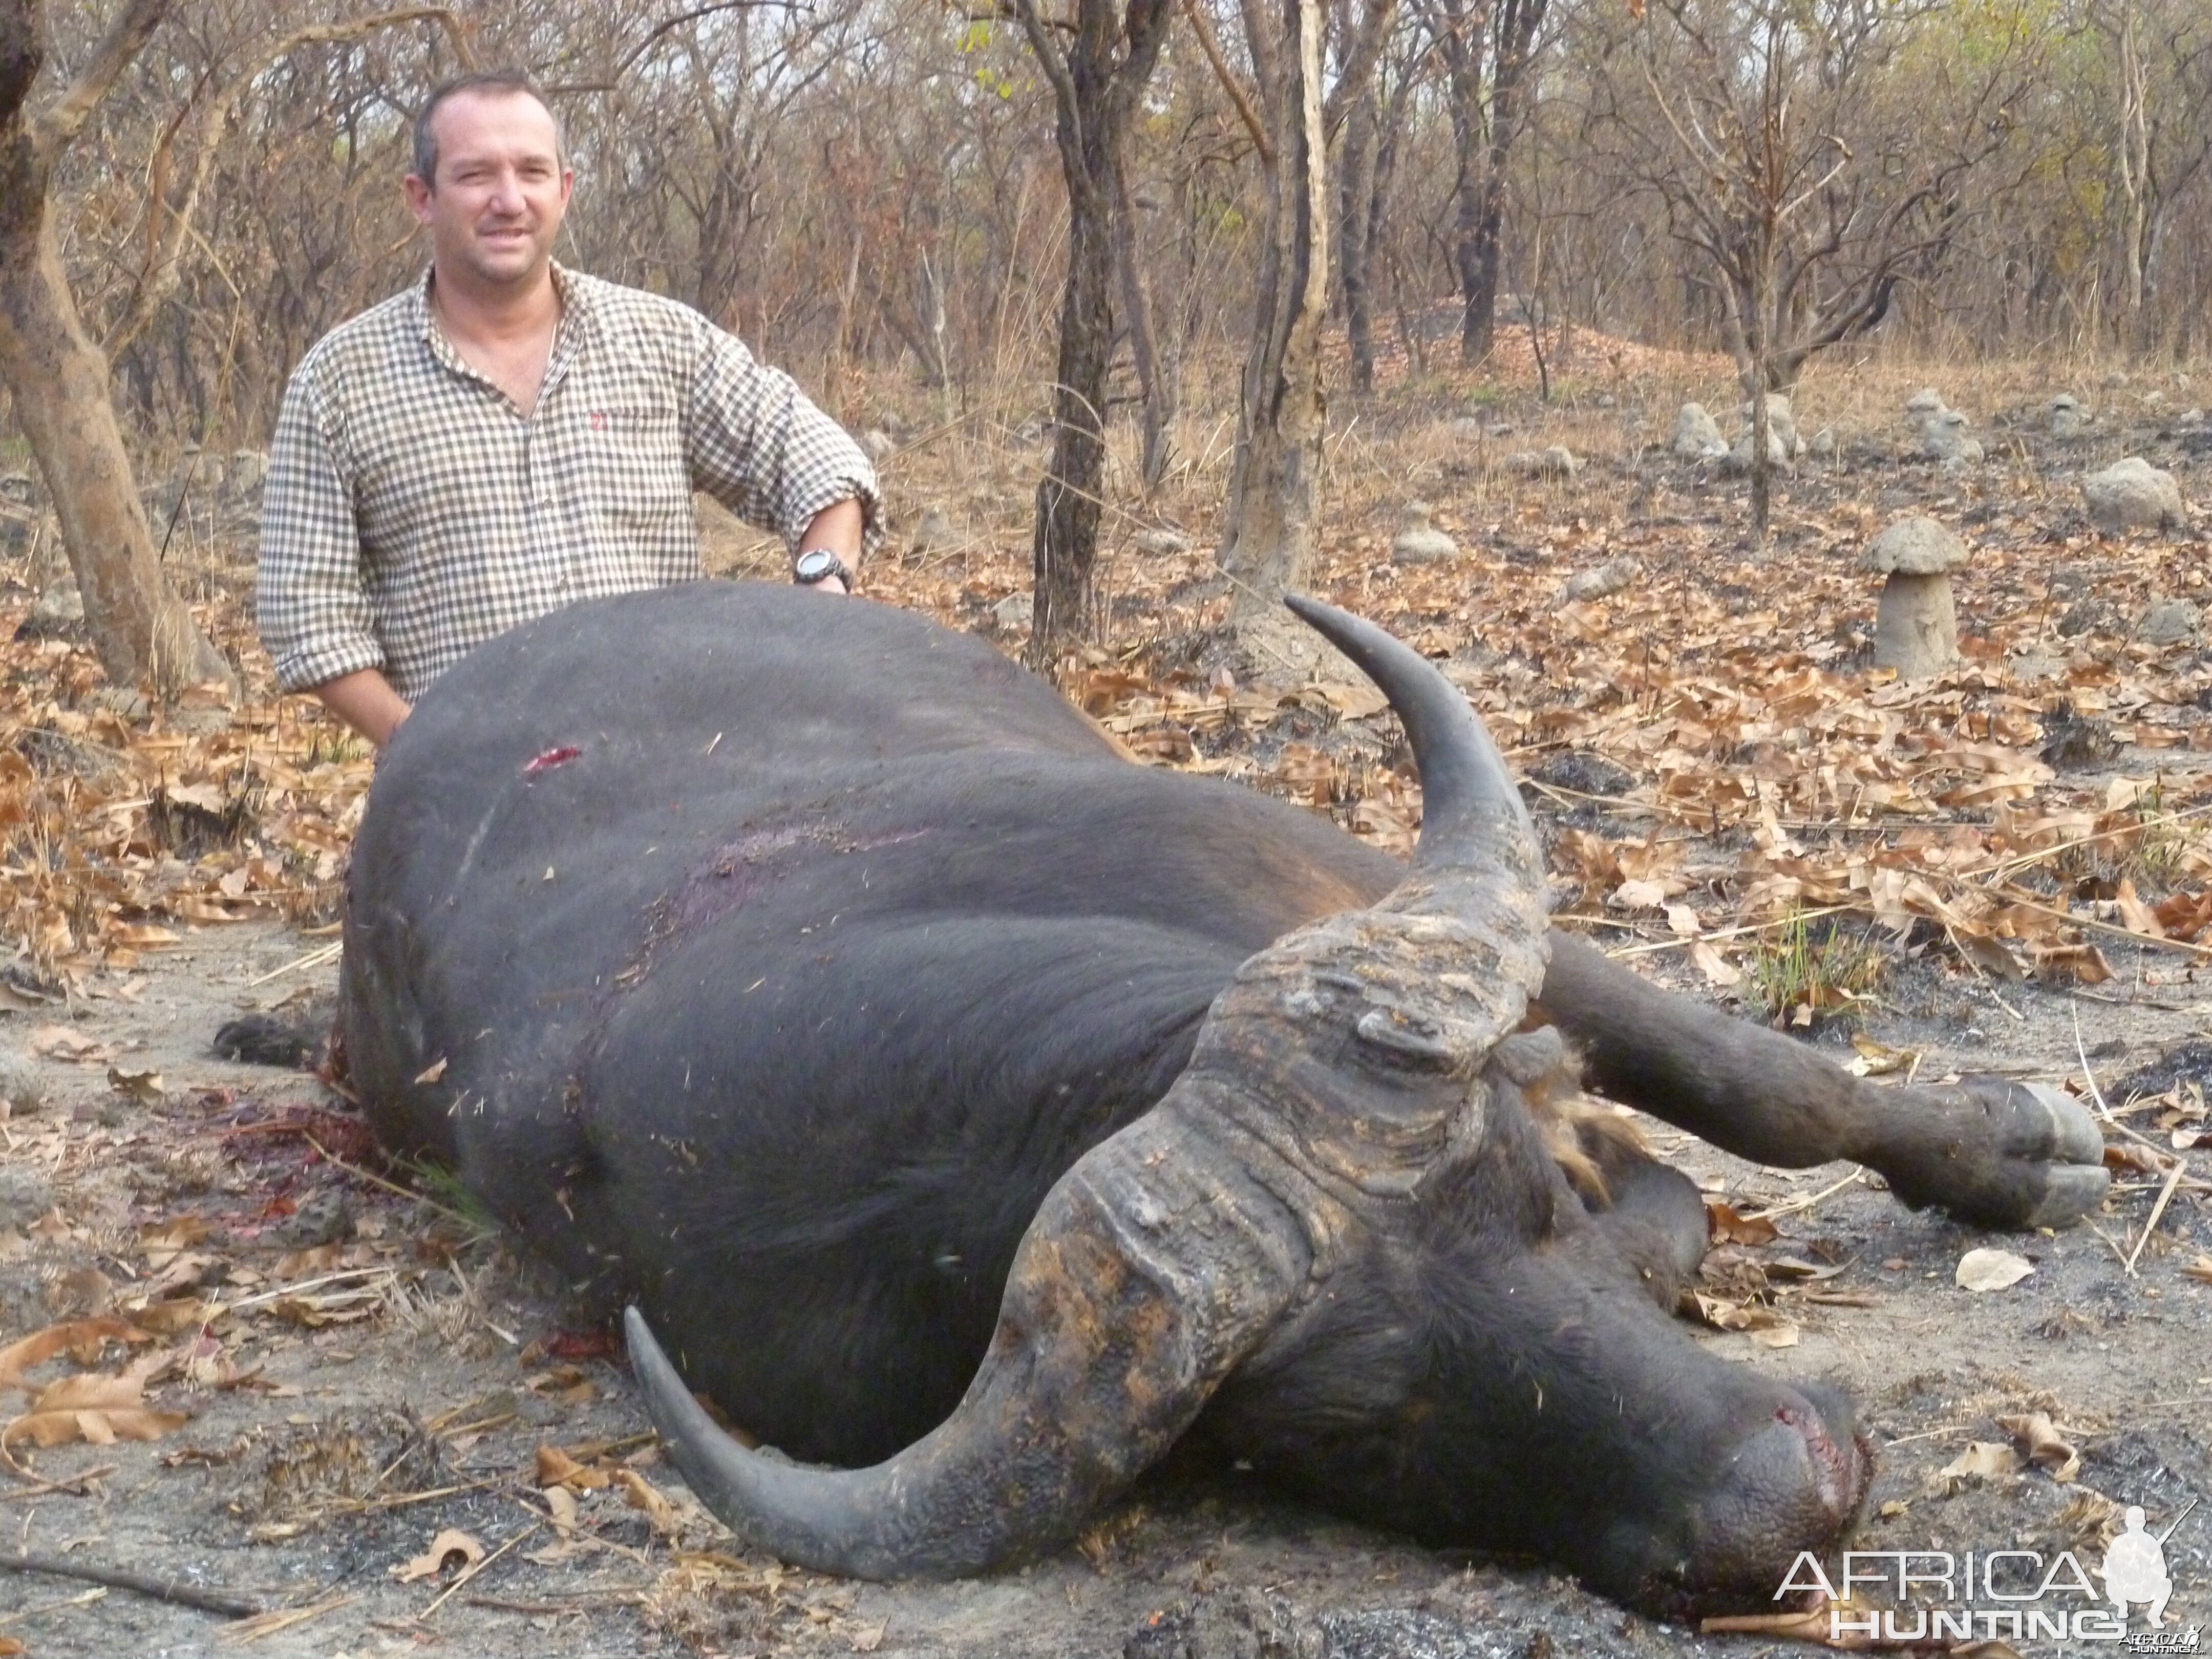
(365, 701)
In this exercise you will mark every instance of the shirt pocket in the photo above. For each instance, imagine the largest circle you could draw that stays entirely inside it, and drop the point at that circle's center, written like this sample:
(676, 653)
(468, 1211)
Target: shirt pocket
(637, 487)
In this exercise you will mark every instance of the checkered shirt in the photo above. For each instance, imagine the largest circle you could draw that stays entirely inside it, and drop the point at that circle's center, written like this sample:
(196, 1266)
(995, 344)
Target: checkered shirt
(411, 511)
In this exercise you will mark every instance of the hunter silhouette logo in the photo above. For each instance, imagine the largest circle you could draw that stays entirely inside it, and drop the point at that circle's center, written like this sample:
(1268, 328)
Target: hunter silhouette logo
(2011, 1595)
(2135, 1567)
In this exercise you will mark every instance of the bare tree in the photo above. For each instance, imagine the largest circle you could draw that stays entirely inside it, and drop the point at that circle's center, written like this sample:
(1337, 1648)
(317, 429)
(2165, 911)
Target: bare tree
(1799, 174)
(1374, 127)
(2163, 138)
(58, 379)
(1274, 475)
(1489, 50)
(1097, 73)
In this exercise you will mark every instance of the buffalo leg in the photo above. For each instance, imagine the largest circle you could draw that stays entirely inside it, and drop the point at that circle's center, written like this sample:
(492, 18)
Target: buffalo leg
(1988, 1150)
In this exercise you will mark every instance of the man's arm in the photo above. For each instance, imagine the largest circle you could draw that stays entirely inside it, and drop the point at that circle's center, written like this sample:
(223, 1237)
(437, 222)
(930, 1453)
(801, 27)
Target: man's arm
(840, 527)
(365, 701)
(313, 611)
(757, 444)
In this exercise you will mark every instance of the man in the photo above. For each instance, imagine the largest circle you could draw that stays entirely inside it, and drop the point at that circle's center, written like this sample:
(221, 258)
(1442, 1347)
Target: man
(507, 437)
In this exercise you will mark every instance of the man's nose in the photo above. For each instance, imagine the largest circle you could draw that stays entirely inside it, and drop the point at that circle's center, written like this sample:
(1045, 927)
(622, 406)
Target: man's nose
(507, 192)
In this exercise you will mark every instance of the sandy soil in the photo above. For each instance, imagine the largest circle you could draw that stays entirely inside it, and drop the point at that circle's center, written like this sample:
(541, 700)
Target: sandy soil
(309, 1483)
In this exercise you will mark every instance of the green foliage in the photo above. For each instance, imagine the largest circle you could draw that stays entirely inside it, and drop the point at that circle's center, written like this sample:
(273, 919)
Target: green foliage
(1810, 971)
(445, 1190)
(334, 745)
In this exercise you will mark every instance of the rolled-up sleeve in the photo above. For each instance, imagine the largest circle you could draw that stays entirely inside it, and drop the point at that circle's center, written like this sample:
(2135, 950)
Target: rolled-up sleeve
(309, 602)
(759, 445)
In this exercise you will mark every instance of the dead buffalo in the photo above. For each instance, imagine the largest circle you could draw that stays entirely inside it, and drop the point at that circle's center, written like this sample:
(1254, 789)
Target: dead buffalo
(969, 1108)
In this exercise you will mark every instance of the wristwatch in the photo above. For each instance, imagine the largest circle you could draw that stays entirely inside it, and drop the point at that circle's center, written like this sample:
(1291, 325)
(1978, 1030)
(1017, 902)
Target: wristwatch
(818, 564)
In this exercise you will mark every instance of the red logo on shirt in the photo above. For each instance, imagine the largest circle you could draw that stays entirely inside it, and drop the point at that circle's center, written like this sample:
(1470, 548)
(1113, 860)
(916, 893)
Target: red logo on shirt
(598, 420)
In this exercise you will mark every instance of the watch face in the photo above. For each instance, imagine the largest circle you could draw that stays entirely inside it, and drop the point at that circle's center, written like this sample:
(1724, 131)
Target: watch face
(818, 563)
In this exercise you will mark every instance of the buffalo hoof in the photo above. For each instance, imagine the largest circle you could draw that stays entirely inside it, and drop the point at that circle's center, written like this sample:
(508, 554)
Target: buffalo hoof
(1995, 1153)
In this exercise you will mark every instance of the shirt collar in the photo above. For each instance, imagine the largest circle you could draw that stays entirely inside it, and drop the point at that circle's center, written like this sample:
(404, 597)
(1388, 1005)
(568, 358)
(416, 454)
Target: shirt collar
(567, 333)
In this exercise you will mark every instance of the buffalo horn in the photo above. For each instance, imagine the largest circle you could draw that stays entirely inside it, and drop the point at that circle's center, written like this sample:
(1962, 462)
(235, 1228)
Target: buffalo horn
(1338, 1067)
(1470, 808)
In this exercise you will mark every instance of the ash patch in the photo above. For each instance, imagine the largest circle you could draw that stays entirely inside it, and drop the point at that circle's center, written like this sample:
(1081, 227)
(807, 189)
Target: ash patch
(300, 1475)
(1413, 1633)
(1580, 772)
(1258, 1625)
(2185, 1062)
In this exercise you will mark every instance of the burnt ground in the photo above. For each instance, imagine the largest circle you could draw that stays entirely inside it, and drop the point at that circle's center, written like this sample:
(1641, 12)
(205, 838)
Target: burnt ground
(332, 1433)
(350, 1366)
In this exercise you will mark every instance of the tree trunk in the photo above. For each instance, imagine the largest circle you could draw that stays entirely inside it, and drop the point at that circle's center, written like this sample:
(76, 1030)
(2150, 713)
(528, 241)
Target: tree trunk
(142, 632)
(1517, 23)
(1761, 344)
(1156, 375)
(1464, 42)
(1478, 275)
(1096, 80)
(1268, 545)
(1064, 543)
(2135, 178)
(1356, 224)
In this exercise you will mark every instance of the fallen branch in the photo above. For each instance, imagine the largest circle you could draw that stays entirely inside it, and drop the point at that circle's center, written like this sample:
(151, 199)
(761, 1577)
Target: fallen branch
(471, 1572)
(76, 1486)
(616, 1598)
(281, 1618)
(162, 1589)
(2172, 1179)
(314, 959)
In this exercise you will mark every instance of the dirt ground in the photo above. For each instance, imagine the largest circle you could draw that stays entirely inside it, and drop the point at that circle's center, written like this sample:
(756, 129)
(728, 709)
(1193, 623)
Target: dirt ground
(349, 1364)
(303, 1485)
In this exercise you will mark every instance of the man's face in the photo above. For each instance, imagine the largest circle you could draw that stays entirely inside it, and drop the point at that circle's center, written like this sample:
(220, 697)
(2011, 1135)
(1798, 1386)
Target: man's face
(496, 203)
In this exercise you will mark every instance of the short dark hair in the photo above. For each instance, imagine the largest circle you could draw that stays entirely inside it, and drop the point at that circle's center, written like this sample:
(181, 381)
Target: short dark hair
(498, 81)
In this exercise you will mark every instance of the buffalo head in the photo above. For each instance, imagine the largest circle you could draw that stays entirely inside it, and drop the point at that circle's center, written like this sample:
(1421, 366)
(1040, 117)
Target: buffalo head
(1345, 1237)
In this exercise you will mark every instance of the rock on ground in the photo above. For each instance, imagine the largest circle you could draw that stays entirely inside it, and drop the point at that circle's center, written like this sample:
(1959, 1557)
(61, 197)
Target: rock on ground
(2168, 621)
(1781, 424)
(1556, 462)
(1918, 545)
(1777, 452)
(1599, 582)
(1916, 630)
(2133, 493)
(1419, 542)
(2089, 616)
(1697, 435)
(1944, 438)
(2068, 420)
